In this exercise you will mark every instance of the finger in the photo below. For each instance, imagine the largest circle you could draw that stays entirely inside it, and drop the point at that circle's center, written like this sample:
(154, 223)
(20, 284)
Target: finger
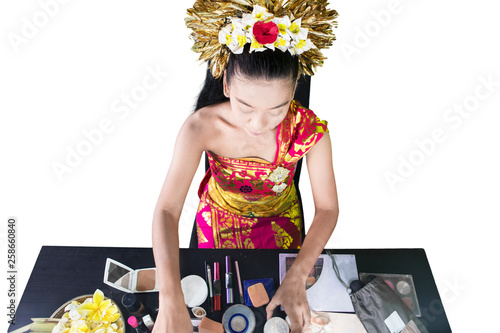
(270, 307)
(296, 328)
(307, 317)
(296, 320)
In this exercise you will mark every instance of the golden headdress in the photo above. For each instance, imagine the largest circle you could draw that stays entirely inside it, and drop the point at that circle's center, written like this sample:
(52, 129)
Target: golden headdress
(301, 27)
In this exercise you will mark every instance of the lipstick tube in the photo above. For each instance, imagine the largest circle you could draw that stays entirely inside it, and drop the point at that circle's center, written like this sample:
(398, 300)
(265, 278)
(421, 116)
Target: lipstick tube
(217, 287)
(229, 281)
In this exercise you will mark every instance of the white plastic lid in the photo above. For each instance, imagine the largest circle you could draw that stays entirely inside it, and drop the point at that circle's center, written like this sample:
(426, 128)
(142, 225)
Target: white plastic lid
(195, 290)
(276, 325)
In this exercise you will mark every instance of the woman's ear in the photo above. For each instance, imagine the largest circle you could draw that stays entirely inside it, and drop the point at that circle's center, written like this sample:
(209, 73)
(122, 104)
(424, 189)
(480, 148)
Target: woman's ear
(225, 86)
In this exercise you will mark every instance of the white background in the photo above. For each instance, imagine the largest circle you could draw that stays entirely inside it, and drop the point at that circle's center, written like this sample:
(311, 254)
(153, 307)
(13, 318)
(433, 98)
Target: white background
(390, 80)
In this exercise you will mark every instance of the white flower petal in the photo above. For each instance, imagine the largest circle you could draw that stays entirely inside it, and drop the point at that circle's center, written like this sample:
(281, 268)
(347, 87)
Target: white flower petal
(70, 307)
(74, 314)
(222, 37)
(260, 13)
(247, 21)
(238, 51)
(270, 46)
(302, 33)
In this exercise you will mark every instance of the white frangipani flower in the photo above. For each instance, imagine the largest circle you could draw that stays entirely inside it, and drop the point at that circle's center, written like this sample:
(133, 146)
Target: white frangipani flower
(260, 13)
(283, 24)
(291, 36)
(225, 35)
(301, 46)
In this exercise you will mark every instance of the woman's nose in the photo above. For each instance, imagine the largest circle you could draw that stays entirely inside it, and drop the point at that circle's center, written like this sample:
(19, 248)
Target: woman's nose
(259, 124)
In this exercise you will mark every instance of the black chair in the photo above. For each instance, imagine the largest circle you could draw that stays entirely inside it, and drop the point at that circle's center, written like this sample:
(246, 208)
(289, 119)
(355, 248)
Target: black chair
(302, 94)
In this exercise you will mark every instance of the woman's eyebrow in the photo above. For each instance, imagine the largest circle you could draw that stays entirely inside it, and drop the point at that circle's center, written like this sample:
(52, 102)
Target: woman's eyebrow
(276, 107)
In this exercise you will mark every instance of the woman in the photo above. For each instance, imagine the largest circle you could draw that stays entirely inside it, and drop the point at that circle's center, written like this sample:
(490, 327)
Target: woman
(254, 133)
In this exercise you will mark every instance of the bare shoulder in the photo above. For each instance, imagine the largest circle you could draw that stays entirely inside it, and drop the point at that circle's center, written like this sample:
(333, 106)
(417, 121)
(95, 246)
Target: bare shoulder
(205, 125)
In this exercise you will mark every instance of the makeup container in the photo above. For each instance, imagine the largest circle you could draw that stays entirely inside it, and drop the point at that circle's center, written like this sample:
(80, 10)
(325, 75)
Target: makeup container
(194, 289)
(134, 305)
(208, 272)
(126, 279)
(217, 287)
(199, 312)
(276, 325)
(132, 321)
(238, 318)
(403, 286)
(229, 281)
(148, 322)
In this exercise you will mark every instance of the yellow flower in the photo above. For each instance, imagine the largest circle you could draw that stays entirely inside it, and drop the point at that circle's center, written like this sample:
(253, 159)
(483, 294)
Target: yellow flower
(79, 326)
(260, 13)
(255, 44)
(280, 42)
(295, 28)
(301, 44)
(100, 310)
(242, 40)
(282, 27)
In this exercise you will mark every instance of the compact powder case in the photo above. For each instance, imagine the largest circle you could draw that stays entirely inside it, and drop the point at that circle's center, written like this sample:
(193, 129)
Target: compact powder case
(124, 278)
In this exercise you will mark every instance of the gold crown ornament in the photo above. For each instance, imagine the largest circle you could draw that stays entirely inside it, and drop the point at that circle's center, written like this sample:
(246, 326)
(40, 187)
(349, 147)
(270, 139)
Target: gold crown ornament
(301, 27)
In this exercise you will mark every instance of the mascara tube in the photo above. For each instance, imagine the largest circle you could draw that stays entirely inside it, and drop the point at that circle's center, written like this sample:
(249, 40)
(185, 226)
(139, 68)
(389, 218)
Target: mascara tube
(229, 281)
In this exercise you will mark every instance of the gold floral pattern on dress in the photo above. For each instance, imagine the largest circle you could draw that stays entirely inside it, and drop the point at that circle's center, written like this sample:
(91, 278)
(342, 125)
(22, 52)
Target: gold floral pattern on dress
(207, 216)
(201, 206)
(248, 244)
(201, 236)
(294, 214)
(282, 238)
(228, 245)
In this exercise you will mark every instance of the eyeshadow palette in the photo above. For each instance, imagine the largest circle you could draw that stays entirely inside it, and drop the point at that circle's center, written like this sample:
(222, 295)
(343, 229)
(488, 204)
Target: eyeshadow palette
(403, 286)
(314, 274)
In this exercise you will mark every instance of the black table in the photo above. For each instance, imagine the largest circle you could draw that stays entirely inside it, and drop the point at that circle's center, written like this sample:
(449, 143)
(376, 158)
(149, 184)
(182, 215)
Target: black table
(62, 273)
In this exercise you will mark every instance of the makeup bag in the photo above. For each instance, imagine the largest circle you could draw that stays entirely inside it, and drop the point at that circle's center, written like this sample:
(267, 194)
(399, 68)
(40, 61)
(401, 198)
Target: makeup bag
(380, 309)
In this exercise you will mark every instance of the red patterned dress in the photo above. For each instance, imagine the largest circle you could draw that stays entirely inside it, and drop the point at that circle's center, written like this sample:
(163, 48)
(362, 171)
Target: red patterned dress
(249, 203)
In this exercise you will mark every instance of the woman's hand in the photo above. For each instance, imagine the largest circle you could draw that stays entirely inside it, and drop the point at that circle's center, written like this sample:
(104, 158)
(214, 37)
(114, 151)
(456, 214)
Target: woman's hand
(292, 296)
(173, 319)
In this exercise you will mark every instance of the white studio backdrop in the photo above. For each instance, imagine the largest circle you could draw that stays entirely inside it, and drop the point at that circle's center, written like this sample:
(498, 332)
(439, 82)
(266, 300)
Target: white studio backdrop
(93, 94)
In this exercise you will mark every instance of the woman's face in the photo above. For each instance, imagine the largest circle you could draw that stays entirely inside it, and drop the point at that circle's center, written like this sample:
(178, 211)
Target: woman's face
(259, 105)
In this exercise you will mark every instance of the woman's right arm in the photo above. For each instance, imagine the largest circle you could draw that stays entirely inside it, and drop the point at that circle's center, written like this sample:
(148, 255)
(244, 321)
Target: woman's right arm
(173, 315)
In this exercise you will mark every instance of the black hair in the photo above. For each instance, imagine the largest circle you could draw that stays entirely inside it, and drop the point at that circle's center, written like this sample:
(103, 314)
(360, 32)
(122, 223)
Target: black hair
(267, 65)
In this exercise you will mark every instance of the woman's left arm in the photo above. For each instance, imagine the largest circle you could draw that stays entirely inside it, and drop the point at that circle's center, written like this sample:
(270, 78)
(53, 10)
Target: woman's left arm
(292, 294)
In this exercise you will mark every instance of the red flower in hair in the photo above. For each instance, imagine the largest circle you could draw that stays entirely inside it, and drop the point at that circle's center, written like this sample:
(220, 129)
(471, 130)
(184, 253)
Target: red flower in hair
(265, 33)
